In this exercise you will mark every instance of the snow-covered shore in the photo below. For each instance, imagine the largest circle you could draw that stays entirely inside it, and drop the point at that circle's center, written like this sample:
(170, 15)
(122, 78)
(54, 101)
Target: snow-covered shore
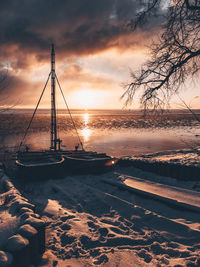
(187, 157)
(22, 232)
(183, 165)
(91, 223)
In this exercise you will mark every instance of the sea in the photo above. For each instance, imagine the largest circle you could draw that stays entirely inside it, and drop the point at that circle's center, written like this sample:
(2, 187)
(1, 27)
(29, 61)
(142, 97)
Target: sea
(115, 132)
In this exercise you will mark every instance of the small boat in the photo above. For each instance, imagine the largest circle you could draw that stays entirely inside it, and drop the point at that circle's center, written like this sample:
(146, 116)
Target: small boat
(88, 163)
(38, 165)
(55, 161)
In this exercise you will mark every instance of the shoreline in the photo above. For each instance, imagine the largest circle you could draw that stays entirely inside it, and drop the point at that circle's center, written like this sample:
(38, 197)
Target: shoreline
(97, 224)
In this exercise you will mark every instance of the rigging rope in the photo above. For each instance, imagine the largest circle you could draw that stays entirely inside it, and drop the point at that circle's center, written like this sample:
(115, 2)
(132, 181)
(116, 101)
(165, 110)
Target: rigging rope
(34, 111)
(69, 113)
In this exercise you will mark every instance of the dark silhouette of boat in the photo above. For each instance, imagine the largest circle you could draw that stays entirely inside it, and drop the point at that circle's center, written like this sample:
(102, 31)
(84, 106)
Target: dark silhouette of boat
(39, 164)
(87, 162)
(56, 162)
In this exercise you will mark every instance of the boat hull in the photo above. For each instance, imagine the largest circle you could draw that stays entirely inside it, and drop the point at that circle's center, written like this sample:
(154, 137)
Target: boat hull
(80, 164)
(33, 170)
(49, 165)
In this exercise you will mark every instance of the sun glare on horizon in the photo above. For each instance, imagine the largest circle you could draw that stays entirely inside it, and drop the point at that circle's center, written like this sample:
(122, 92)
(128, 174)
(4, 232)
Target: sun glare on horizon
(86, 99)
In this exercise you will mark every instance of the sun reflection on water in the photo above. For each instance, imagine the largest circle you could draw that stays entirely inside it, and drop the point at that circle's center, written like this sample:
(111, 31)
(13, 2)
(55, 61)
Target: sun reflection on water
(85, 118)
(86, 132)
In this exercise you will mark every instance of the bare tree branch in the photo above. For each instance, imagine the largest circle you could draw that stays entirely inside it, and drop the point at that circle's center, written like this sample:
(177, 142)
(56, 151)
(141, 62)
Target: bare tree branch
(193, 6)
(3, 79)
(189, 108)
(174, 57)
(147, 10)
(4, 83)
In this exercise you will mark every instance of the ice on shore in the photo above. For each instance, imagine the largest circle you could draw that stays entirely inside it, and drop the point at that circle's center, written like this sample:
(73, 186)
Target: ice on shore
(188, 157)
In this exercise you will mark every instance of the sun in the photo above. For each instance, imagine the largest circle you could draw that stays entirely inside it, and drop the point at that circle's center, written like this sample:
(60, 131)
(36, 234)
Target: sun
(86, 98)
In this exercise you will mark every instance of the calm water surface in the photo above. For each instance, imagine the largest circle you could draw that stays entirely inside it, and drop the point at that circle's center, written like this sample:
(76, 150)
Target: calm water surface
(117, 133)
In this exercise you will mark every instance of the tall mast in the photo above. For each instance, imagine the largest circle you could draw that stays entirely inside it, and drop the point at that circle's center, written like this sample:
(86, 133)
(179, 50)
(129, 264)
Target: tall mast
(53, 100)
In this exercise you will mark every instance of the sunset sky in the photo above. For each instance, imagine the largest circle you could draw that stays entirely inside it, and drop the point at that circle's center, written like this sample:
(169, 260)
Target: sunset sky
(95, 51)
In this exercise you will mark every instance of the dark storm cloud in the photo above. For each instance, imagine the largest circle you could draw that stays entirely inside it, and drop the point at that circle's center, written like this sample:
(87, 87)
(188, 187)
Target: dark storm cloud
(16, 90)
(76, 26)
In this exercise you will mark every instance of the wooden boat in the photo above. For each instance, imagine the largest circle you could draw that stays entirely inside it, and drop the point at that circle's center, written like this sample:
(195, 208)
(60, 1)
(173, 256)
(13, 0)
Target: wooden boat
(38, 165)
(87, 163)
(55, 161)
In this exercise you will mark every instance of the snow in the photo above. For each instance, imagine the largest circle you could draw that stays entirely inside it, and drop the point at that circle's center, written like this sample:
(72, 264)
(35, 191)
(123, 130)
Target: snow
(14, 210)
(27, 215)
(5, 258)
(171, 192)
(9, 221)
(8, 226)
(27, 231)
(35, 222)
(193, 185)
(18, 202)
(188, 157)
(91, 223)
(24, 210)
(16, 242)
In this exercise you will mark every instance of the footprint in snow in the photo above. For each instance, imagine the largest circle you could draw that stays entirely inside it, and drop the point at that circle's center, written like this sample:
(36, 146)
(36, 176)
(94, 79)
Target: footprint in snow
(95, 252)
(65, 226)
(66, 239)
(103, 231)
(67, 217)
(118, 231)
(92, 225)
(102, 259)
(143, 254)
